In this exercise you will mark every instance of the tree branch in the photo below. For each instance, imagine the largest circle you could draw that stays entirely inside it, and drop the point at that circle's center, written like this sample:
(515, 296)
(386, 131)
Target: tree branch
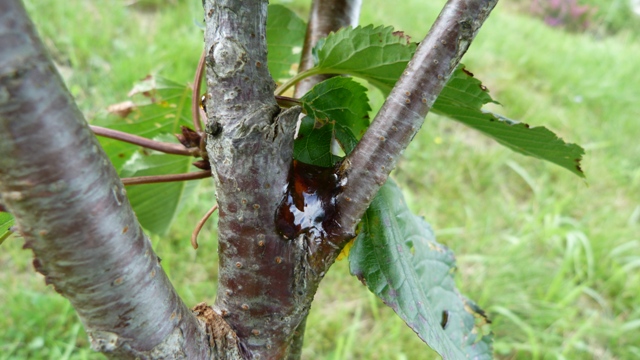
(325, 16)
(73, 211)
(154, 179)
(166, 148)
(366, 169)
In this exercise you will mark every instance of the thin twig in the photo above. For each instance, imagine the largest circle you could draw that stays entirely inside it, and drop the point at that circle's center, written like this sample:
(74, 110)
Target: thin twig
(287, 102)
(200, 224)
(167, 148)
(295, 80)
(195, 97)
(139, 180)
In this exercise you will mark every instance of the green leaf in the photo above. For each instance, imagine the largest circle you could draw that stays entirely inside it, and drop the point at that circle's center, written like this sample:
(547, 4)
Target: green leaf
(376, 54)
(6, 222)
(162, 105)
(462, 100)
(396, 256)
(156, 204)
(380, 55)
(336, 109)
(313, 145)
(285, 37)
(339, 99)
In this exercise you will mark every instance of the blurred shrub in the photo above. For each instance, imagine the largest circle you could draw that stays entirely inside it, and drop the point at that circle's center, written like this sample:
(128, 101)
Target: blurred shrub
(616, 16)
(564, 13)
(601, 17)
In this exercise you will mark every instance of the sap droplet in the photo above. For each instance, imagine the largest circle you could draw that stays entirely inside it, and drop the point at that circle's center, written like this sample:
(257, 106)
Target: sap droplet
(309, 203)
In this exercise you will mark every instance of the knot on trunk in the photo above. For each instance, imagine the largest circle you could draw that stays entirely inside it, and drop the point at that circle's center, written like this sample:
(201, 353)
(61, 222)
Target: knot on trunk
(223, 341)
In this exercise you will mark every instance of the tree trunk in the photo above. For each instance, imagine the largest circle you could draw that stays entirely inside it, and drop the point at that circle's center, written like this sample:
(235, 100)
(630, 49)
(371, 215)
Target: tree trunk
(264, 279)
(268, 275)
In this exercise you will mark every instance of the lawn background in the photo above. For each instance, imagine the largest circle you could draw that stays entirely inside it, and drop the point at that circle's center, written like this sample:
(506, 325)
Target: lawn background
(553, 259)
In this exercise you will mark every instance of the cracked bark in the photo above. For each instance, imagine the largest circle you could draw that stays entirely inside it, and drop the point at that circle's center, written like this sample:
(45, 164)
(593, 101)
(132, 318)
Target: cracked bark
(73, 212)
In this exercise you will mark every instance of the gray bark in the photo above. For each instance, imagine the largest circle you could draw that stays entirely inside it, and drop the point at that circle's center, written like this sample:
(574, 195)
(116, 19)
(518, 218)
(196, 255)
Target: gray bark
(262, 277)
(73, 212)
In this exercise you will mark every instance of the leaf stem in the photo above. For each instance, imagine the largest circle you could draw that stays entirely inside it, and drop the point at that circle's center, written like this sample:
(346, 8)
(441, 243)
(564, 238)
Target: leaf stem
(195, 96)
(298, 77)
(287, 102)
(319, 71)
(200, 224)
(153, 179)
(167, 148)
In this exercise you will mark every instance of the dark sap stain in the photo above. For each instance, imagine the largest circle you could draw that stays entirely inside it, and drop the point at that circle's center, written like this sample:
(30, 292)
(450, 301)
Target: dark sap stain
(309, 203)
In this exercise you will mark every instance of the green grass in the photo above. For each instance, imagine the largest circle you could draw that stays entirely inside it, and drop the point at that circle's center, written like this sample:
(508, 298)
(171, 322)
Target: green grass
(554, 260)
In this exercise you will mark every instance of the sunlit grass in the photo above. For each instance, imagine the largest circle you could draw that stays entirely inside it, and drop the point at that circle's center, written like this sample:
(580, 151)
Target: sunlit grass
(554, 260)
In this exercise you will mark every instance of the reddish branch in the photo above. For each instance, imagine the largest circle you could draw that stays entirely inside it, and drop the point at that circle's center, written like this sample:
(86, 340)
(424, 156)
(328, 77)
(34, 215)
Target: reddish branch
(366, 169)
(153, 179)
(167, 148)
(325, 16)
